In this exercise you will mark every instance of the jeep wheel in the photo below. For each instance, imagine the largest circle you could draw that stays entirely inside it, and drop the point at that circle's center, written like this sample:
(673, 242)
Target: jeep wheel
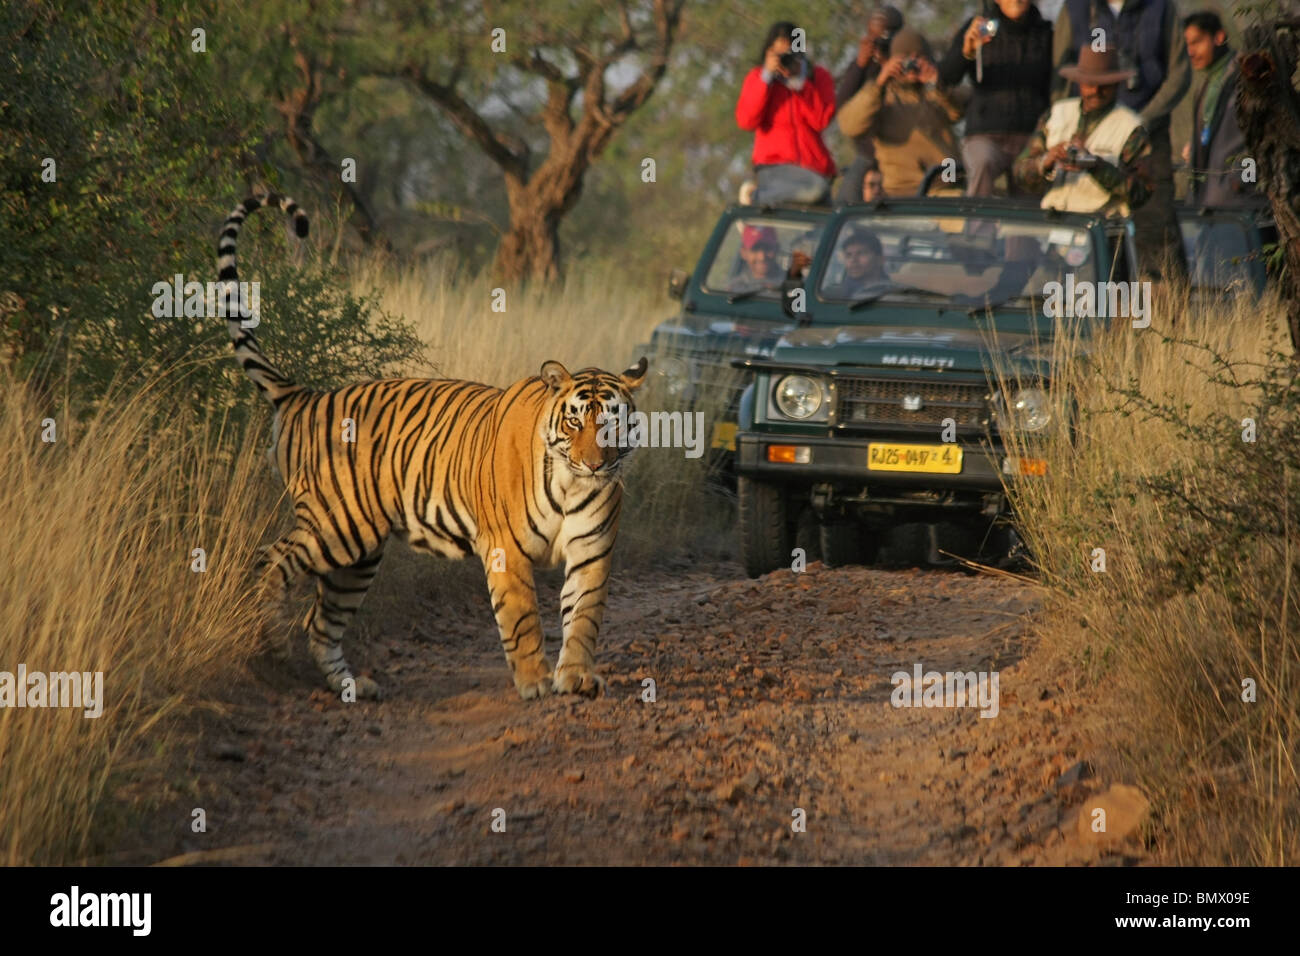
(845, 543)
(766, 535)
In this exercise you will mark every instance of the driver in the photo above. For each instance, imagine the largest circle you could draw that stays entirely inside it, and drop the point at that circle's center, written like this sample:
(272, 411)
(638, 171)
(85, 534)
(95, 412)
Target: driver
(864, 265)
(759, 250)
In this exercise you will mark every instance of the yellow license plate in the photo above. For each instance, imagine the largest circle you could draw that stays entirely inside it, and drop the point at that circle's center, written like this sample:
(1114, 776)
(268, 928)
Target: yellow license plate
(931, 459)
(724, 436)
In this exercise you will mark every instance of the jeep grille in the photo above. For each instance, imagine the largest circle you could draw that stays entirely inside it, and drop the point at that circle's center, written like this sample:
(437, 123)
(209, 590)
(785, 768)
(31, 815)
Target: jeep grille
(869, 401)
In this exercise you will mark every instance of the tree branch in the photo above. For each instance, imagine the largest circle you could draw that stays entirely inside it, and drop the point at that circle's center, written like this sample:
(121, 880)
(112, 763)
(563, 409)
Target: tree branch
(511, 157)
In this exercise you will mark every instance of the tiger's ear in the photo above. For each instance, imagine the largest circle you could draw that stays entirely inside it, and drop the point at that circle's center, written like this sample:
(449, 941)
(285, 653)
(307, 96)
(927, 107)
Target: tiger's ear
(634, 376)
(555, 375)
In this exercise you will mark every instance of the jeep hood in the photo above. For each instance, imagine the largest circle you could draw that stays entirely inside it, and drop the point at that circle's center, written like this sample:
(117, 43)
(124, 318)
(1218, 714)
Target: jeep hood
(942, 349)
(702, 332)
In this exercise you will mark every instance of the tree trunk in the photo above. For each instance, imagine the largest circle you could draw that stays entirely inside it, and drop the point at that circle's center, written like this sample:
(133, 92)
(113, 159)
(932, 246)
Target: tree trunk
(530, 249)
(1269, 112)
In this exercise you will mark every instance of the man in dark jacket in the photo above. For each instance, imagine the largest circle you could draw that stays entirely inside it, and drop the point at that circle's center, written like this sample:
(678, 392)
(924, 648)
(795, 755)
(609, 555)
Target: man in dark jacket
(1011, 71)
(873, 51)
(1147, 35)
(1217, 145)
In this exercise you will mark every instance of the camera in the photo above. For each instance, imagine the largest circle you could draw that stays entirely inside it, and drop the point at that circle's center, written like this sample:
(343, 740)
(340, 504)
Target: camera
(989, 28)
(882, 42)
(911, 65)
(789, 61)
(1079, 157)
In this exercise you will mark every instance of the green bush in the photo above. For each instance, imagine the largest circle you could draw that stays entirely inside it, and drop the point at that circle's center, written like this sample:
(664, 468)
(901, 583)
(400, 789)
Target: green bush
(150, 151)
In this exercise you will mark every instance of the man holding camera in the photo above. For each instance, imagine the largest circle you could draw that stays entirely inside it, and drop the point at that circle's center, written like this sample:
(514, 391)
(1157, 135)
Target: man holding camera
(1147, 38)
(873, 51)
(907, 113)
(1008, 56)
(1090, 153)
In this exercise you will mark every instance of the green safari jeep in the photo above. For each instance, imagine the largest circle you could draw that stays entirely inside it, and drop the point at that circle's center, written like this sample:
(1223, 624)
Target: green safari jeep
(881, 408)
(732, 307)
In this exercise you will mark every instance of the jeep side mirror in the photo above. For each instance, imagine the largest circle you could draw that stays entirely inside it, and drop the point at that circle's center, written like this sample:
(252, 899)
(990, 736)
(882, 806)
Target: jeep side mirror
(677, 280)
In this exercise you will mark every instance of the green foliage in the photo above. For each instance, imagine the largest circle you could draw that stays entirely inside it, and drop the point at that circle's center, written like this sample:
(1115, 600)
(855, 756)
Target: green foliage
(144, 177)
(106, 92)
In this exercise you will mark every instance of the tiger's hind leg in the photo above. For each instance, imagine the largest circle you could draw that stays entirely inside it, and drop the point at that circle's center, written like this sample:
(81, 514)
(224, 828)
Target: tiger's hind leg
(339, 592)
(338, 595)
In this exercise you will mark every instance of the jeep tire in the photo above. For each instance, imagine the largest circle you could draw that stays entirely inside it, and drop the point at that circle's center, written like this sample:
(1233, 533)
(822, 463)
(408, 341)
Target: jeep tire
(766, 531)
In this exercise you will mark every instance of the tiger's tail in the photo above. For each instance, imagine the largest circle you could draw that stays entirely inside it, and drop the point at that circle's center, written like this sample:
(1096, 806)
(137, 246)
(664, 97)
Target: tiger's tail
(270, 381)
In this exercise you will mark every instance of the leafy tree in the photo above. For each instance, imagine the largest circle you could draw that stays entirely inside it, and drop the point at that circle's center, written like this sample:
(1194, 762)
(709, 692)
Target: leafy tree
(149, 151)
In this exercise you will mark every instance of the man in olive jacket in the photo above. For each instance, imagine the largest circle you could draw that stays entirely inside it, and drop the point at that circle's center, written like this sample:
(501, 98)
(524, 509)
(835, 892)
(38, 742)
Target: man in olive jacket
(907, 113)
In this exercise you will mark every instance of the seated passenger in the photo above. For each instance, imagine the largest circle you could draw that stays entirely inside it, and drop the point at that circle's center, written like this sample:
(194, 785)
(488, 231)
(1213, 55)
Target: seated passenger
(864, 266)
(1089, 153)
(759, 250)
(873, 183)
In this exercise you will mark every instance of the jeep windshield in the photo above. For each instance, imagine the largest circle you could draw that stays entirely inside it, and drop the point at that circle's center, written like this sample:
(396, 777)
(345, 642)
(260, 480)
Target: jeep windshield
(754, 257)
(968, 261)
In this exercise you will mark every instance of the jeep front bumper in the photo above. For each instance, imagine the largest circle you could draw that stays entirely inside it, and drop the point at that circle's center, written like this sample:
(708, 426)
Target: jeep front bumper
(843, 460)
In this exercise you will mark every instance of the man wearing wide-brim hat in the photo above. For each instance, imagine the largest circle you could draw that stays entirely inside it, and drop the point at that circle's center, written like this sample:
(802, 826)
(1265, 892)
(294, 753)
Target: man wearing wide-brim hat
(1089, 153)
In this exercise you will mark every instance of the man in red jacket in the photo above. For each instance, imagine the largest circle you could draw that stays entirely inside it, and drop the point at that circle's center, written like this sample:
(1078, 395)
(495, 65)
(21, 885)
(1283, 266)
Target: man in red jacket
(787, 101)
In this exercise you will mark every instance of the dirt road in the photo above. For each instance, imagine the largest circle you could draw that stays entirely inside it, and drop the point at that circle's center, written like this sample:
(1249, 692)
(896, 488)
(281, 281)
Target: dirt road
(771, 697)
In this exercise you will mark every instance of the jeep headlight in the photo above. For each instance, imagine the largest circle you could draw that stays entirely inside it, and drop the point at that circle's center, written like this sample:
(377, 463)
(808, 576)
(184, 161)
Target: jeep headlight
(674, 376)
(799, 397)
(1029, 410)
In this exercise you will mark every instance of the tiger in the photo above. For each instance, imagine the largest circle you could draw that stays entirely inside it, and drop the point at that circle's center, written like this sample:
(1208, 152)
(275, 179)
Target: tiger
(518, 477)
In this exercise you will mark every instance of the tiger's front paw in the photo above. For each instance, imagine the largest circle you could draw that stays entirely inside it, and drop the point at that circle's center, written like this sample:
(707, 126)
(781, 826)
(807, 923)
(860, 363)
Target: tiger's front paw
(356, 688)
(578, 679)
(533, 679)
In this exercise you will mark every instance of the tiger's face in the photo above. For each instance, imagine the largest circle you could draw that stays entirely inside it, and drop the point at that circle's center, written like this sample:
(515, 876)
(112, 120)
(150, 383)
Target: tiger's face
(576, 431)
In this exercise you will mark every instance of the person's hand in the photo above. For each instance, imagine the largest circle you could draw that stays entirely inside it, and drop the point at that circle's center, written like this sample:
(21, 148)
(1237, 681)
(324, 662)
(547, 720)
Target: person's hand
(1187, 152)
(1053, 157)
(892, 70)
(929, 73)
(772, 62)
(1080, 144)
(973, 41)
(799, 261)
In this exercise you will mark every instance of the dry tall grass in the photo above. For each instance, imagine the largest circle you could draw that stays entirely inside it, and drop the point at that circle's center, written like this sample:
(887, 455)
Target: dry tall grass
(98, 533)
(1222, 772)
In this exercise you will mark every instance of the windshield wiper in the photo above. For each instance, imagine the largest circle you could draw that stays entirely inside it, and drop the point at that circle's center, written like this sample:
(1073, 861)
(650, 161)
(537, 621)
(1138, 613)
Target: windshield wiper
(863, 303)
(976, 310)
(742, 296)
